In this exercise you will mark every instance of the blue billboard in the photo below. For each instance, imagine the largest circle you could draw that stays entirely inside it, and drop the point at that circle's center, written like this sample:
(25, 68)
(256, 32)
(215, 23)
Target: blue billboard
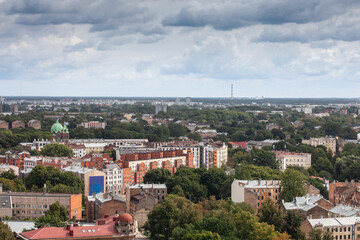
(96, 184)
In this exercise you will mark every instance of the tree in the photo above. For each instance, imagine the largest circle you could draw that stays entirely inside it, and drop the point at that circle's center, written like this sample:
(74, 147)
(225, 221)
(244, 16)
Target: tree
(5, 232)
(262, 157)
(293, 220)
(174, 211)
(271, 214)
(176, 130)
(194, 136)
(56, 150)
(292, 185)
(213, 179)
(159, 175)
(54, 217)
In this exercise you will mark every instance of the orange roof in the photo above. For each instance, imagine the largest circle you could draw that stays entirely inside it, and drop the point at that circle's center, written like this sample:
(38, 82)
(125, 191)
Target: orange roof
(125, 217)
(240, 144)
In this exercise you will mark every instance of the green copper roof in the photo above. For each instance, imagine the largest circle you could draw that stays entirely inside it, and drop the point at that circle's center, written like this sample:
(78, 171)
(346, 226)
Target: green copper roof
(65, 130)
(56, 127)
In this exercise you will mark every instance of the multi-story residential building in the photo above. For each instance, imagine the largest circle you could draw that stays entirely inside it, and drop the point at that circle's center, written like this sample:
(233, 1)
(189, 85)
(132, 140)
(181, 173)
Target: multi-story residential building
(15, 158)
(158, 190)
(79, 150)
(207, 133)
(141, 163)
(95, 147)
(214, 155)
(340, 228)
(113, 179)
(99, 144)
(4, 124)
(286, 159)
(92, 124)
(328, 142)
(93, 179)
(260, 144)
(347, 193)
(192, 146)
(17, 124)
(36, 124)
(116, 227)
(254, 192)
(241, 145)
(100, 204)
(34, 204)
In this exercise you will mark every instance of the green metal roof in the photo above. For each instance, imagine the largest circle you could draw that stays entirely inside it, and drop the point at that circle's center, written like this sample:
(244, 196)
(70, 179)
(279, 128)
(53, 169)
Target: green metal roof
(56, 127)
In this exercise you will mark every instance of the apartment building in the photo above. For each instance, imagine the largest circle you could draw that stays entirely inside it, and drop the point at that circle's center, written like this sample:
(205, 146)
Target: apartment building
(192, 146)
(254, 192)
(113, 179)
(92, 124)
(286, 159)
(214, 155)
(328, 142)
(79, 150)
(34, 204)
(340, 228)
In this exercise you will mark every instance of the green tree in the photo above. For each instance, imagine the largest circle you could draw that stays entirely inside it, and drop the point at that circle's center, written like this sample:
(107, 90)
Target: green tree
(56, 150)
(292, 185)
(5, 232)
(293, 220)
(56, 216)
(174, 211)
(271, 214)
(159, 175)
(213, 179)
(261, 157)
(176, 130)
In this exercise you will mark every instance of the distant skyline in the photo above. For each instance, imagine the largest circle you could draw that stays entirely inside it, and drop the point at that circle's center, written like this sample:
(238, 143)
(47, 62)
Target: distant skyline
(165, 48)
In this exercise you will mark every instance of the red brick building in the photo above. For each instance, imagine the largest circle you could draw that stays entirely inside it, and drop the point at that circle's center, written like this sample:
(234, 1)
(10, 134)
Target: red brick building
(4, 124)
(17, 124)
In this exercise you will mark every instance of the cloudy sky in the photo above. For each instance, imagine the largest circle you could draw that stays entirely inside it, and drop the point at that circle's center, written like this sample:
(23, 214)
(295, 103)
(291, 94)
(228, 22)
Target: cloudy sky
(270, 48)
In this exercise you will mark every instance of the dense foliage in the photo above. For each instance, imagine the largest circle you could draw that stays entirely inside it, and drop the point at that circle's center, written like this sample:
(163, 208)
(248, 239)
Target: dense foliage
(56, 150)
(56, 181)
(56, 216)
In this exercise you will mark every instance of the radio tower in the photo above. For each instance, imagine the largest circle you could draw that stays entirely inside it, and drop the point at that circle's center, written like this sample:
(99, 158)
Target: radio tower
(232, 92)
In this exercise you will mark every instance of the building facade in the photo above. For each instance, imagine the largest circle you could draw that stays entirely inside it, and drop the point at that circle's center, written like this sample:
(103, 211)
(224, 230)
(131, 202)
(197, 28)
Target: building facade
(254, 192)
(328, 142)
(92, 124)
(286, 159)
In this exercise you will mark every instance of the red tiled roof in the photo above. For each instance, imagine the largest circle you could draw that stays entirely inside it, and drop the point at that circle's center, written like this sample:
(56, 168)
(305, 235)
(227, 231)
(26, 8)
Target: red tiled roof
(84, 232)
(240, 144)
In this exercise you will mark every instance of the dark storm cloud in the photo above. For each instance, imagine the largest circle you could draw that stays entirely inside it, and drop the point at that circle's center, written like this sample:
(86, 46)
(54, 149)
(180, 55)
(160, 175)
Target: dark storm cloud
(236, 14)
(101, 15)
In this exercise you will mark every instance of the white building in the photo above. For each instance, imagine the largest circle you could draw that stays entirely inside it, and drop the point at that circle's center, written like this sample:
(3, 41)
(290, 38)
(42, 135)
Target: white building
(79, 150)
(113, 178)
(286, 159)
(7, 167)
(92, 124)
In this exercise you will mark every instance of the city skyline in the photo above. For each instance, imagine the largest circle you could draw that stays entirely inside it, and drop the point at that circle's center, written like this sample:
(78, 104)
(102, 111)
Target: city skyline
(178, 48)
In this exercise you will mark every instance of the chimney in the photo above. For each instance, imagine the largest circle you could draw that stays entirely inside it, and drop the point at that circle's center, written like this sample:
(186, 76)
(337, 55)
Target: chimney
(76, 224)
(67, 226)
(71, 233)
(94, 194)
(106, 195)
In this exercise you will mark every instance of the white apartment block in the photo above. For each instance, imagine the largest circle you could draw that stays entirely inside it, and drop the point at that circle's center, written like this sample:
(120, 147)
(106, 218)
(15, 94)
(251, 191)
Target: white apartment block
(92, 124)
(286, 159)
(79, 150)
(113, 178)
(328, 142)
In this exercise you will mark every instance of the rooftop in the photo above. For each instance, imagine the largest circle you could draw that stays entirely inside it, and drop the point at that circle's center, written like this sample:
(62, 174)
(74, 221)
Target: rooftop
(148, 186)
(334, 222)
(37, 194)
(345, 211)
(259, 183)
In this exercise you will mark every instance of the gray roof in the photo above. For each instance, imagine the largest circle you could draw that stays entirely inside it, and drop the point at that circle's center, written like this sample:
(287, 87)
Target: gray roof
(302, 203)
(111, 166)
(100, 197)
(148, 186)
(5, 202)
(345, 211)
(334, 222)
(260, 183)
(18, 226)
(77, 169)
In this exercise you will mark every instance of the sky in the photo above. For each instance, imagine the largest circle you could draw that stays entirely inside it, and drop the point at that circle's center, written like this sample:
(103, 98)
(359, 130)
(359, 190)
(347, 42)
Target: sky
(177, 48)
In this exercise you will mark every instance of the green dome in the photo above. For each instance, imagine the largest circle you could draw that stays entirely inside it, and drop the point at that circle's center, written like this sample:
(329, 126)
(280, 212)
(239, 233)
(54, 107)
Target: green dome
(65, 130)
(56, 127)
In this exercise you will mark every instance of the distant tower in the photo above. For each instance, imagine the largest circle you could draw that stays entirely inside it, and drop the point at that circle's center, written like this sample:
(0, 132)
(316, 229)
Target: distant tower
(232, 91)
(1, 103)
